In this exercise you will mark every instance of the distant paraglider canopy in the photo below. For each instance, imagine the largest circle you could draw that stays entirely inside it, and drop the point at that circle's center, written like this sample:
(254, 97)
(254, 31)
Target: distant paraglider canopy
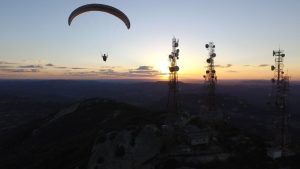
(102, 8)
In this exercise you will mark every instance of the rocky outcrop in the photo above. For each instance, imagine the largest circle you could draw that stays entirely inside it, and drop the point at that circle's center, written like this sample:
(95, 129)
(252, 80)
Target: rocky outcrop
(128, 148)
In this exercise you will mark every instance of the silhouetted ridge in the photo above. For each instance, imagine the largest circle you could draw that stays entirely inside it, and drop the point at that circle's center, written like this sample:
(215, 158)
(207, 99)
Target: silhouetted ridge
(65, 141)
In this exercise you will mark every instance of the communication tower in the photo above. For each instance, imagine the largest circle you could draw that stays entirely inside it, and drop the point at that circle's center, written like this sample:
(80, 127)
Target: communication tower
(173, 102)
(279, 95)
(210, 76)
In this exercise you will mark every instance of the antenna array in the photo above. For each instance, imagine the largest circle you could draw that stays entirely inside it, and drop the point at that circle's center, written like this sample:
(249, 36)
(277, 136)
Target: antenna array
(173, 78)
(279, 95)
(210, 76)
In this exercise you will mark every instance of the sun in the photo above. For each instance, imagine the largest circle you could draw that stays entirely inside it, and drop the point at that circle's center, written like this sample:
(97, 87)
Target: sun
(163, 68)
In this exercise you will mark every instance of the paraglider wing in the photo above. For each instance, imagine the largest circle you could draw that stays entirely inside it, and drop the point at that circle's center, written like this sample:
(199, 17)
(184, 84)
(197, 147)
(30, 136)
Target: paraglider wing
(100, 7)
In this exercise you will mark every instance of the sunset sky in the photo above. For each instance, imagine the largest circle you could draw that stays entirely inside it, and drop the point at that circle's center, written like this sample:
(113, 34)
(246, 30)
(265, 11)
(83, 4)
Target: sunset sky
(37, 43)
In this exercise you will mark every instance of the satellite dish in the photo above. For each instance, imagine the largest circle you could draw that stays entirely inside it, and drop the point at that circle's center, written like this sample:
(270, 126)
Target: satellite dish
(174, 69)
(214, 46)
(272, 67)
(176, 44)
(273, 53)
(206, 45)
(204, 76)
(213, 71)
(213, 55)
(282, 55)
(208, 60)
(207, 72)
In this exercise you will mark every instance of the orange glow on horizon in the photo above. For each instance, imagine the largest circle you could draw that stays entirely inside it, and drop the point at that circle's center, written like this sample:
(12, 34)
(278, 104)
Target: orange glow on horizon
(184, 74)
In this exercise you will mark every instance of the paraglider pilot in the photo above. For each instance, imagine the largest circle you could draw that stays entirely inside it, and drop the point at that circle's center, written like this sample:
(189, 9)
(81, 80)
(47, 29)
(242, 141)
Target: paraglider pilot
(104, 57)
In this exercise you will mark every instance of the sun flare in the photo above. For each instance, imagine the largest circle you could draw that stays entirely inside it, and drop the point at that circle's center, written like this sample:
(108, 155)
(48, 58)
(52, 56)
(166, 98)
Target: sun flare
(163, 68)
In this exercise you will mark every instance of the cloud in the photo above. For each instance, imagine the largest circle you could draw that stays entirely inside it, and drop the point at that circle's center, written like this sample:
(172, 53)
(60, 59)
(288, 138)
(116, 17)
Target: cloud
(77, 68)
(49, 64)
(232, 71)
(5, 63)
(5, 67)
(140, 72)
(26, 70)
(20, 70)
(145, 71)
(109, 67)
(145, 68)
(60, 67)
(80, 73)
(263, 65)
(222, 66)
(32, 66)
(106, 71)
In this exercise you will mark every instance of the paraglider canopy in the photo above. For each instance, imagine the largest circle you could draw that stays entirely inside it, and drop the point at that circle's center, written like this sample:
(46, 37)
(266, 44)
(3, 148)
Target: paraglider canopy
(102, 8)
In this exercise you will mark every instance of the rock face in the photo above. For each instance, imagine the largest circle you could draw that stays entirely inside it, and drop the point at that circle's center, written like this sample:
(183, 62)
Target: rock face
(129, 148)
(67, 139)
(104, 134)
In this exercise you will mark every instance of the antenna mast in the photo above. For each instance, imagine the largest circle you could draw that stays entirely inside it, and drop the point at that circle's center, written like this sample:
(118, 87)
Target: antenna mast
(173, 78)
(281, 86)
(211, 77)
